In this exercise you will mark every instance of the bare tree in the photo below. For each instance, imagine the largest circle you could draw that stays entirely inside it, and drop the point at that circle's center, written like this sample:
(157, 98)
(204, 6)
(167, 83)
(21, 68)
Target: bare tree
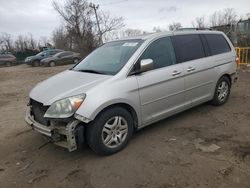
(248, 15)
(158, 29)
(108, 24)
(199, 22)
(174, 26)
(132, 32)
(44, 42)
(77, 17)
(215, 19)
(61, 39)
(6, 42)
(225, 17)
(25, 42)
(81, 25)
(32, 42)
(117, 34)
(20, 43)
(230, 16)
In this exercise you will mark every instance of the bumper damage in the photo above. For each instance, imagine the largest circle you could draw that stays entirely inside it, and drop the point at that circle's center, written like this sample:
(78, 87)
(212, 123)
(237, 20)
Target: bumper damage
(234, 77)
(64, 136)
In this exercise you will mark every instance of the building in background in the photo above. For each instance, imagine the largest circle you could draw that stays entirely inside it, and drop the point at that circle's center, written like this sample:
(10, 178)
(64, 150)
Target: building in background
(238, 33)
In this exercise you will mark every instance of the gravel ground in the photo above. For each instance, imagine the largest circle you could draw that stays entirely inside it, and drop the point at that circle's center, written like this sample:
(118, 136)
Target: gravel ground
(203, 147)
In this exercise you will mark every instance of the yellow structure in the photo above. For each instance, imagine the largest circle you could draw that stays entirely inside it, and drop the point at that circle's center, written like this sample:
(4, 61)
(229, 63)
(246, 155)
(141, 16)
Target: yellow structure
(243, 53)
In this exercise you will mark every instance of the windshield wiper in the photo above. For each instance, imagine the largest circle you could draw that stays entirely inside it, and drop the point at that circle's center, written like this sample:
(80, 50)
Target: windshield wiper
(90, 71)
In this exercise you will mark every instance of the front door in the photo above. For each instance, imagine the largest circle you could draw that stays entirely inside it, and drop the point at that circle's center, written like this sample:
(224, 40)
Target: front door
(161, 89)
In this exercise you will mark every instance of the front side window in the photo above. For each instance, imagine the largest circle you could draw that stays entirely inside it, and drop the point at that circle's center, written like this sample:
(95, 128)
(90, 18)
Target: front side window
(53, 52)
(161, 52)
(43, 53)
(187, 47)
(63, 54)
(68, 53)
(109, 58)
(217, 44)
(3, 56)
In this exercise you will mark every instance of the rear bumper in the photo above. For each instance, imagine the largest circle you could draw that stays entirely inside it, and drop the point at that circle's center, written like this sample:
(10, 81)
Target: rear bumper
(234, 77)
(63, 136)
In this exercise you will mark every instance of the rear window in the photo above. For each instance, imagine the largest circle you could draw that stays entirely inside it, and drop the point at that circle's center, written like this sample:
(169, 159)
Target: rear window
(65, 54)
(187, 47)
(53, 52)
(217, 44)
(6, 56)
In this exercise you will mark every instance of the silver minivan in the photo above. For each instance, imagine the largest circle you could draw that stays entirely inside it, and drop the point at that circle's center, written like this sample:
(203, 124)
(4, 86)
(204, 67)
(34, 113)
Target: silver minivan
(127, 84)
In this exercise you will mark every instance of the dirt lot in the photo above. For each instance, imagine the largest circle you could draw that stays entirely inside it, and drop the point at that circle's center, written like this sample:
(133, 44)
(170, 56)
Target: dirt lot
(203, 147)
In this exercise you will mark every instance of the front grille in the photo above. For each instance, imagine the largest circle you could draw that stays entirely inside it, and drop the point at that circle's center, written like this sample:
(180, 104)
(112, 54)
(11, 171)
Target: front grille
(38, 110)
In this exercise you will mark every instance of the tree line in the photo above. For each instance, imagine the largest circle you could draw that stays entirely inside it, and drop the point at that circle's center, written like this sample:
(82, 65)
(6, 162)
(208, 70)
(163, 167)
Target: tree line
(85, 26)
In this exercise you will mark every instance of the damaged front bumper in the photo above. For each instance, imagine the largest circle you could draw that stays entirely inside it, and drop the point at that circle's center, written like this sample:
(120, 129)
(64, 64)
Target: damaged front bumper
(61, 135)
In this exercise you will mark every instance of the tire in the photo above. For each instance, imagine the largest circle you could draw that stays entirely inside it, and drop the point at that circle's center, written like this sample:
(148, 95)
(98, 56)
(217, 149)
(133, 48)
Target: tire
(110, 131)
(8, 64)
(36, 63)
(52, 63)
(222, 91)
(75, 60)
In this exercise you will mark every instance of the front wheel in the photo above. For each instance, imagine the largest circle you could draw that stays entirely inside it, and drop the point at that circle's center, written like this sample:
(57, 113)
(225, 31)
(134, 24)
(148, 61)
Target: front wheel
(110, 131)
(222, 91)
(52, 64)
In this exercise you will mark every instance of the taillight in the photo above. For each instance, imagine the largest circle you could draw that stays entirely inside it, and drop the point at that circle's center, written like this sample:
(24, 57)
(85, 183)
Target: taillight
(237, 60)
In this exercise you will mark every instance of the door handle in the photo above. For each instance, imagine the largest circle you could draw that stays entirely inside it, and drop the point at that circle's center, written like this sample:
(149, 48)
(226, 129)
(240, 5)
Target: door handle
(176, 73)
(190, 69)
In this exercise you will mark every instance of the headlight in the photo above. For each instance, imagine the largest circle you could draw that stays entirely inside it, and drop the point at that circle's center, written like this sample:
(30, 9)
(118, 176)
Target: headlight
(65, 108)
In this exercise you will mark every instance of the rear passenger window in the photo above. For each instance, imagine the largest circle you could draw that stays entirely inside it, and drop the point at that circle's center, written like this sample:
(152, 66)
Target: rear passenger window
(161, 52)
(52, 53)
(217, 44)
(187, 47)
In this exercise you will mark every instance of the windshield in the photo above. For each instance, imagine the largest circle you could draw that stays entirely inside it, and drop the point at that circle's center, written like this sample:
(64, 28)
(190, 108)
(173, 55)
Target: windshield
(41, 53)
(109, 58)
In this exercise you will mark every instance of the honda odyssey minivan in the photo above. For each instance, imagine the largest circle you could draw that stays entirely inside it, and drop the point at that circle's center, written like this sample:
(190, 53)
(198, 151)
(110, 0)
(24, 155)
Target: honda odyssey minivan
(127, 84)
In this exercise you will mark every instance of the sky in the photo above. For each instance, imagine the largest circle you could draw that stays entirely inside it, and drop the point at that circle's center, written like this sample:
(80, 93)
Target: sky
(40, 19)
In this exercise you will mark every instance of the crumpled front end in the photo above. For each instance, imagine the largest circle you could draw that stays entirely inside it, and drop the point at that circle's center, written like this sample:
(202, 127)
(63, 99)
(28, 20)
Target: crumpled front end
(64, 133)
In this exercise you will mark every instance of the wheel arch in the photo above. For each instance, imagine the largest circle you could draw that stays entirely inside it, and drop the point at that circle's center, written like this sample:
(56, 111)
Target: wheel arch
(228, 76)
(126, 106)
(52, 61)
(214, 101)
(35, 60)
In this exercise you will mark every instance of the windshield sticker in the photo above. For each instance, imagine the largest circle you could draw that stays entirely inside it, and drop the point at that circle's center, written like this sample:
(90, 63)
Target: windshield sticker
(130, 44)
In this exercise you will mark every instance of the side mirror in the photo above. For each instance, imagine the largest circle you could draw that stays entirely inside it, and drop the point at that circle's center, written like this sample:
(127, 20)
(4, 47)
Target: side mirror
(146, 65)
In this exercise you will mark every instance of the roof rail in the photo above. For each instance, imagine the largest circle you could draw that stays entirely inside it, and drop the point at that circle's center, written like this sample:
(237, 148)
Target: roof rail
(193, 29)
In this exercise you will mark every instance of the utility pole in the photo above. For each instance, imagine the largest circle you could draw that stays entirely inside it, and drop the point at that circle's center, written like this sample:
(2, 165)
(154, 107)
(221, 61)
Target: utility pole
(95, 7)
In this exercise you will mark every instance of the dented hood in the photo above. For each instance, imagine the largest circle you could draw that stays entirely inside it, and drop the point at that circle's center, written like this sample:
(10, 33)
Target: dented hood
(65, 84)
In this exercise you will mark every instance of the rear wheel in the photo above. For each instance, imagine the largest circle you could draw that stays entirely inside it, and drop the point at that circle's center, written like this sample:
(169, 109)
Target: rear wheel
(52, 64)
(76, 60)
(222, 91)
(36, 63)
(8, 64)
(110, 131)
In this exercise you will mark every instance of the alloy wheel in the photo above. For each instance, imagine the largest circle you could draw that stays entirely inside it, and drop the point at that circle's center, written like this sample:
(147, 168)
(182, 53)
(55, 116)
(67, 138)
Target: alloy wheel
(114, 132)
(223, 91)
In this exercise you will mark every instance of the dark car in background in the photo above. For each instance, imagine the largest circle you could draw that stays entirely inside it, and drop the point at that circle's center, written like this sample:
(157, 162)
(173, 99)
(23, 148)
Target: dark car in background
(7, 60)
(36, 60)
(62, 58)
